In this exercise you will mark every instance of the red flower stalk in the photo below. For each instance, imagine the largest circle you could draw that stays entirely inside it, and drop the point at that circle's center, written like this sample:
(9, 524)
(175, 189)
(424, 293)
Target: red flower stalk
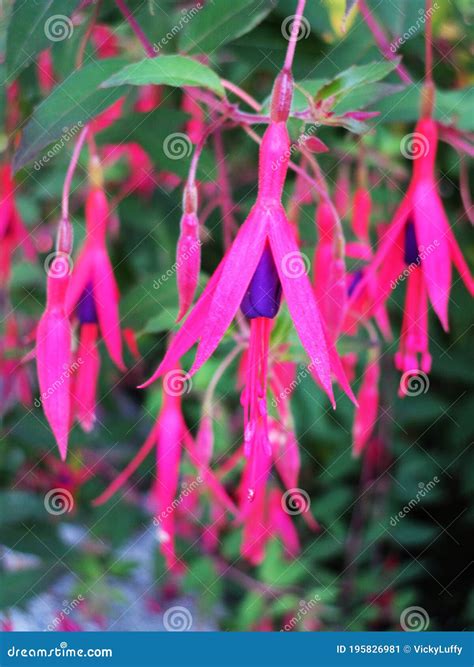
(420, 242)
(93, 274)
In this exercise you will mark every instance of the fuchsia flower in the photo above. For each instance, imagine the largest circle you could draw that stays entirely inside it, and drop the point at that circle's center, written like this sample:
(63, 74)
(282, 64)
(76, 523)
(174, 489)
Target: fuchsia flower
(93, 283)
(14, 378)
(419, 242)
(53, 353)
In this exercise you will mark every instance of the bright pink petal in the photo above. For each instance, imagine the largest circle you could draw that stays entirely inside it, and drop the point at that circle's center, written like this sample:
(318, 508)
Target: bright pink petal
(300, 298)
(431, 225)
(106, 299)
(240, 264)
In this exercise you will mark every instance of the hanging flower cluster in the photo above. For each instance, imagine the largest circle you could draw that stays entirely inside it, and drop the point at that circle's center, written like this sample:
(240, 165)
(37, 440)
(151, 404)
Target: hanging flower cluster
(262, 274)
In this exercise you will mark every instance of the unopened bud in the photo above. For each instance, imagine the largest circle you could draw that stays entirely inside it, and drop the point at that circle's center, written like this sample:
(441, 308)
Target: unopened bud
(281, 97)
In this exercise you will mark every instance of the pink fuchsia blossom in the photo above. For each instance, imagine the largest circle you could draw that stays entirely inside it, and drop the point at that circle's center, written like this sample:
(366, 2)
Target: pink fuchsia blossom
(420, 241)
(93, 275)
(265, 230)
(53, 353)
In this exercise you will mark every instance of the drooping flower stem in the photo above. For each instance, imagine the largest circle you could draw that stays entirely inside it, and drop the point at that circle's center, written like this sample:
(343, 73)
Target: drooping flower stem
(381, 40)
(70, 172)
(127, 14)
(295, 29)
(428, 95)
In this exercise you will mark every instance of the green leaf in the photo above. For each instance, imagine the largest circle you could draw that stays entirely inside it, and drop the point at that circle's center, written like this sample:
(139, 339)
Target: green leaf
(220, 22)
(355, 77)
(167, 70)
(16, 506)
(35, 26)
(72, 103)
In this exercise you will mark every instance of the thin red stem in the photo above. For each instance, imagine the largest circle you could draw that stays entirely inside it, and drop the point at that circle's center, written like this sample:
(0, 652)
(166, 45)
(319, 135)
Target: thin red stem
(429, 41)
(127, 14)
(295, 29)
(70, 172)
(381, 40)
